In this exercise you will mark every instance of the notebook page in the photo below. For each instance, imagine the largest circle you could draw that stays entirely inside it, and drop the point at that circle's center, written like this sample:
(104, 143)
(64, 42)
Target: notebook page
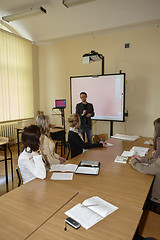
(101, 207)
(63, 168)
(127, 153)
(86, 217)
(62, 176)
(121, 159)
(87, 170)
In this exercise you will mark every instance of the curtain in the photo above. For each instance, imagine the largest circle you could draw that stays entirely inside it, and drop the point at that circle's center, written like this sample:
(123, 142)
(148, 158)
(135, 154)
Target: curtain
(16, 79)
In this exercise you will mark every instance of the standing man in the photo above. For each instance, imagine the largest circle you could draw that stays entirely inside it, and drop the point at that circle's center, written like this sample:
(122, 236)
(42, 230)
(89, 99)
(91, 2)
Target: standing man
(85, 111)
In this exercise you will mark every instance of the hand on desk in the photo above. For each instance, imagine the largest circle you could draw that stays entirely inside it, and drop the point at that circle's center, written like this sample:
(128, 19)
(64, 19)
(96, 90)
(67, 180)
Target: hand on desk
(137, 157)
(151, 142)
(62, 160)
(105, 144)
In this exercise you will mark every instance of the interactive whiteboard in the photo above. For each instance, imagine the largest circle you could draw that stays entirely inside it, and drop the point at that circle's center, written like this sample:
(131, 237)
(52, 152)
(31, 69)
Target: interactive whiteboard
(105, 92)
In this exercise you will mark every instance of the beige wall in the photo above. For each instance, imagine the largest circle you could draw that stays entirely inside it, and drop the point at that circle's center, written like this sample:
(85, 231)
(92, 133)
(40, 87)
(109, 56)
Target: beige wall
(141, 63)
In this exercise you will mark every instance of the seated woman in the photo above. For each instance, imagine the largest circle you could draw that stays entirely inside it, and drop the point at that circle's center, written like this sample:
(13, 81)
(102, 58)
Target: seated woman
(153, 163)
(30, 161)
(46, 144)
(75, 138)
(156, 139)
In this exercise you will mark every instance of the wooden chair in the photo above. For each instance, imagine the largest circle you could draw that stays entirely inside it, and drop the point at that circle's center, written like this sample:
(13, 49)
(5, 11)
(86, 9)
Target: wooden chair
(69, 150)
(20, 181)
(149, 226)
(153, 206)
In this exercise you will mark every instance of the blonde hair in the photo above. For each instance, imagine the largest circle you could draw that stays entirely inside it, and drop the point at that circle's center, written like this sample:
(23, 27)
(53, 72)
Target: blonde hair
(42, 121)
(73, 119)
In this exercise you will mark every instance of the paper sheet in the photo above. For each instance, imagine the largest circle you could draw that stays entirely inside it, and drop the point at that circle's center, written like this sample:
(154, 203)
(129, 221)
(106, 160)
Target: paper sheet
(120, 159)
(127, 153)
(125, 137)
(62, 176)
(109, 144)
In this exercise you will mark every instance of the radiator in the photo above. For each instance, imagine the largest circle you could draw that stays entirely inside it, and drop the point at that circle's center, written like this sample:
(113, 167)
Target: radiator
(9, 130)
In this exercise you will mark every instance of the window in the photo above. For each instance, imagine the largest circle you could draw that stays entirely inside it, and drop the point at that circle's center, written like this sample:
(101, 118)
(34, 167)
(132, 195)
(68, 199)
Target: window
(16, 80)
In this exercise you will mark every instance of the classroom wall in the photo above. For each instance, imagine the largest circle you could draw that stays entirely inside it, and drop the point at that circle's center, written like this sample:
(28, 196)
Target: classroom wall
(141, 63)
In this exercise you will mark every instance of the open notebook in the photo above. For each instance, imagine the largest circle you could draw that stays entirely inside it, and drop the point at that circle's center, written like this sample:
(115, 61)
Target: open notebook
(91, 211)
(88, 167)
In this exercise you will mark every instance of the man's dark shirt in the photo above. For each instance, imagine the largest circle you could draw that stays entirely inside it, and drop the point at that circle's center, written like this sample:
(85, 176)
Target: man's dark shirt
(85, 120)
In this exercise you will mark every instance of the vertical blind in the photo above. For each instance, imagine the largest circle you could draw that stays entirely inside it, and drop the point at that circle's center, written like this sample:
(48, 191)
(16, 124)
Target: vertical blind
(16, 78)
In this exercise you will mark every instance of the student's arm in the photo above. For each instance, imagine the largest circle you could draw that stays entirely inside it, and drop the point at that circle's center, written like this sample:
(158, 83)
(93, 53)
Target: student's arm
(151, 169)
(90, 110)
(77, 109)
(36, 166)
(78, 141)
(92, 113)
(148, 160)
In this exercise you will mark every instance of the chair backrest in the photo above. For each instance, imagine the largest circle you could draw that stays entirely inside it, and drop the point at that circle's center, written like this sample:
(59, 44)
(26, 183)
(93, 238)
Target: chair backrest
(69, 150)
(97, 138)
(20, 181)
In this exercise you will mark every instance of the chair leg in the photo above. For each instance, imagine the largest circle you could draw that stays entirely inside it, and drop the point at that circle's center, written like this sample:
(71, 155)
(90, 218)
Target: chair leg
(11, 162)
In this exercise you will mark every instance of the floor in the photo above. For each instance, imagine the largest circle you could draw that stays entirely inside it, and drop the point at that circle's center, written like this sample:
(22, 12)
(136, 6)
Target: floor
(11, 185)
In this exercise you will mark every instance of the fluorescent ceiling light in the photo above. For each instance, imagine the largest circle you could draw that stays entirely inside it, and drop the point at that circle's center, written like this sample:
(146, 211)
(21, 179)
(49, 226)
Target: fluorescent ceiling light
(24, 13)
(71, 3)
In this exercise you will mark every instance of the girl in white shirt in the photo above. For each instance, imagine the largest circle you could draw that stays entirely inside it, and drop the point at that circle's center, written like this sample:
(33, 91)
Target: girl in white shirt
(30, 161)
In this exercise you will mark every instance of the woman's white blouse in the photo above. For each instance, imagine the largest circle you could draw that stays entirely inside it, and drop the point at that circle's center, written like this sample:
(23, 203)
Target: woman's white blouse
(31, 168)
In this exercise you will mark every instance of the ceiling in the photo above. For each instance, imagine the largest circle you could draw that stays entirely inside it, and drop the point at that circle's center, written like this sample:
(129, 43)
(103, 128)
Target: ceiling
(60, 22)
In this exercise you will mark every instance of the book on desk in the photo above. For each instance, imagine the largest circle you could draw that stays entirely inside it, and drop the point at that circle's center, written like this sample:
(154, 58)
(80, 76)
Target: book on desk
(88, 167)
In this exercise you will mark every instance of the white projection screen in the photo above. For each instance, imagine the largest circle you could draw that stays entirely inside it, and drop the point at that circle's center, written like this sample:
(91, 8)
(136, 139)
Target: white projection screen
(105, 92)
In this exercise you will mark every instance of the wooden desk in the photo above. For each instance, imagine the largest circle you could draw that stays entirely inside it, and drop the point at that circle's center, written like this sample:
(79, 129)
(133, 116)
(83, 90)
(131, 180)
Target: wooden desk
(119, 181)
(27, 207)
(4, 142)
(120, 225)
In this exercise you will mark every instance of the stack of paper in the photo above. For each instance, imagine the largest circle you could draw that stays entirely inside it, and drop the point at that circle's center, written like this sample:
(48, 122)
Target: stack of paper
(91, 211)
(121, 159)
(125, 137)
(63, 168)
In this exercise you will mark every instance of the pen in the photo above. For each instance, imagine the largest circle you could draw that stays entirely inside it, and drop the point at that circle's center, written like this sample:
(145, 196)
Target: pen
(91, 205)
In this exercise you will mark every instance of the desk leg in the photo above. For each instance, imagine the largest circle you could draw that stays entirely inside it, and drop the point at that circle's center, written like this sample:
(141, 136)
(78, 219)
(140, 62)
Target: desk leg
(6, 168)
